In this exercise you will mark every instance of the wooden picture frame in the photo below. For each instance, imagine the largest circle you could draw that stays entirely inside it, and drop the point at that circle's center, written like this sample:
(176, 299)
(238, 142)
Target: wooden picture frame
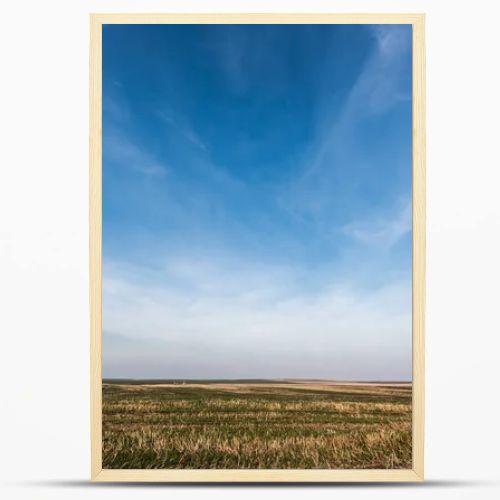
(418, 306)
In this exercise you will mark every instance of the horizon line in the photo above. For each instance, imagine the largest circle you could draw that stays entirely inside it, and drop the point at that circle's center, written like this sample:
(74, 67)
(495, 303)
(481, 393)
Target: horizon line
(252, 379)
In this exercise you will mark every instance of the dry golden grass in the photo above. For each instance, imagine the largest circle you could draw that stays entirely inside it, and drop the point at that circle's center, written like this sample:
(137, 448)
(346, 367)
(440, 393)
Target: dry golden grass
(256, 425)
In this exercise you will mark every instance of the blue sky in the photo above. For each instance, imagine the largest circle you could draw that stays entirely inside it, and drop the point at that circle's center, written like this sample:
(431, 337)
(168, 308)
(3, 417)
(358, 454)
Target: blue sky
(257, 201)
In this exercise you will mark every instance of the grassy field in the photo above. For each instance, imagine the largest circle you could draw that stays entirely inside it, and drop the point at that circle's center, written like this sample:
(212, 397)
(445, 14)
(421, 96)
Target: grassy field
(257, 424)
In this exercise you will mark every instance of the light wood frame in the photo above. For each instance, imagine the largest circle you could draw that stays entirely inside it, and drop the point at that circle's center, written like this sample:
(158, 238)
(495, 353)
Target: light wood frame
(95, 214)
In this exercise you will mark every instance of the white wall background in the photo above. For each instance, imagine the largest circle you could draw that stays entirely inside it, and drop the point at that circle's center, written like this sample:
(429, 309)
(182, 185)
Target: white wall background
(44, 417)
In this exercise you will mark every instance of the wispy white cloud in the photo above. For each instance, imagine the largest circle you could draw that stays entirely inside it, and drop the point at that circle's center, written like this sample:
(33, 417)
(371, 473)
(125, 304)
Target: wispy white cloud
(231, 51)
(116, 108)
(184, 129)
(378, 88)
(123, 150)
(382, 230)
(243, 58)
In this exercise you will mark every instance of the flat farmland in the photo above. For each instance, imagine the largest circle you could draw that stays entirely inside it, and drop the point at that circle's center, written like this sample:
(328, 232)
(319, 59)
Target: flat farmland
(289, 424)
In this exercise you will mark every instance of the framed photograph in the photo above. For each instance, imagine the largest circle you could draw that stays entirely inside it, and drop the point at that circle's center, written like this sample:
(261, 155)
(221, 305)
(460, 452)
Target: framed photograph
(257, 247)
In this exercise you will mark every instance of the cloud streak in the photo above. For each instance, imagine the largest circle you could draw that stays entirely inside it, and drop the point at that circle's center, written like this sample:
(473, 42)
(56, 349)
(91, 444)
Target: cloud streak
(379, 87)
(384, 231)
(124, 152)
(185, 130)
